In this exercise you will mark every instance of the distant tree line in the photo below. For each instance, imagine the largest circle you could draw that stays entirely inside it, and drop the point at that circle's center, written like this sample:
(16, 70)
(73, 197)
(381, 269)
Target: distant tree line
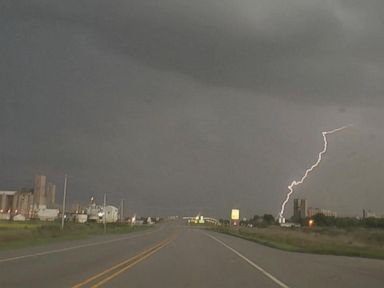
(256, 221)
(344, 222)
(320, 220)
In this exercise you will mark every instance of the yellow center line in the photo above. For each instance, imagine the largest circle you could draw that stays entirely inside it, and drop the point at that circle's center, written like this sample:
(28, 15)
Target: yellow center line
(115, 267)
(129, 266)
(131, 262)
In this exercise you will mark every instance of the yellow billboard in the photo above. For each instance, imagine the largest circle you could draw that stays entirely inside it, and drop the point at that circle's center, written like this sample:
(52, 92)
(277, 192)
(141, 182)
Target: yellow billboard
(235, 214)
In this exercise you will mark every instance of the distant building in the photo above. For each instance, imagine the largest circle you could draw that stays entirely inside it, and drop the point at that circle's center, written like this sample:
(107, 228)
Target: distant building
(7, 201)
(300, 207)
(24, 202)
(19, 217)
(51, 195)
(47, 214)
(81, 218)
(93, 210)
(28, 202)
(40, 198)
(325, 212)
(111, 214)
(16, 202)
(368, 214)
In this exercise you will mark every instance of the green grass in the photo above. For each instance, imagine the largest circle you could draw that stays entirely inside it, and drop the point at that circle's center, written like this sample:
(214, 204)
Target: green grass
(16, 235)
(358, 242)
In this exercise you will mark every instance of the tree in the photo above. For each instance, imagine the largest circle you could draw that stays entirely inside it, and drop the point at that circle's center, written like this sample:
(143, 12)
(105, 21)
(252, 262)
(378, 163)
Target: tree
(268, 219)
(224, 222)
(320, 219)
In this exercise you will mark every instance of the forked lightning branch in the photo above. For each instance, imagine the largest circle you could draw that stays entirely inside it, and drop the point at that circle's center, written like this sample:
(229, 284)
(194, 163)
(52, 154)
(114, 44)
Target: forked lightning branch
(298, 182)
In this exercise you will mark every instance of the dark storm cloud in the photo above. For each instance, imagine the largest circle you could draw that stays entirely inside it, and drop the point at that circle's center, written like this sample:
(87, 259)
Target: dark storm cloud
(303, 50)
(181, 106)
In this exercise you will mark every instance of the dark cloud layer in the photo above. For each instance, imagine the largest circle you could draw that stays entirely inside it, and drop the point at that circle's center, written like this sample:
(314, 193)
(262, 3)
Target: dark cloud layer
(181, 106)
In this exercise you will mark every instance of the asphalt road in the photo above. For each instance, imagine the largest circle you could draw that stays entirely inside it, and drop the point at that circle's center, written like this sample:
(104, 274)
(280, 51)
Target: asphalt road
(174, 255)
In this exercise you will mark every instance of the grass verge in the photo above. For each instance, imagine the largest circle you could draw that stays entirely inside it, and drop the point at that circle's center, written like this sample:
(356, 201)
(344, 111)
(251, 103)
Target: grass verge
(17, 235)
(368, 243)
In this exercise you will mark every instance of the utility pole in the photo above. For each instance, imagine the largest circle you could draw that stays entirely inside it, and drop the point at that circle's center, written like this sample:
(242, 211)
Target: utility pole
(64, 196)
(122, 211)
(105, 213)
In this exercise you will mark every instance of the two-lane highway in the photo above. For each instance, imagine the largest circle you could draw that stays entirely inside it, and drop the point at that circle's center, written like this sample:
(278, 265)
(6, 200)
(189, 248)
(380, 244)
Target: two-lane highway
(174, 255)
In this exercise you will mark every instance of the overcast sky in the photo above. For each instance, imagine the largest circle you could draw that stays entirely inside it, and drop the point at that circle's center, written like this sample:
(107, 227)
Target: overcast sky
(187, 106)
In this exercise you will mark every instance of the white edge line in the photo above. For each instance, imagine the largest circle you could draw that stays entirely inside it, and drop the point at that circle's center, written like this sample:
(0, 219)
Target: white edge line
(269, 275)
(72, 248)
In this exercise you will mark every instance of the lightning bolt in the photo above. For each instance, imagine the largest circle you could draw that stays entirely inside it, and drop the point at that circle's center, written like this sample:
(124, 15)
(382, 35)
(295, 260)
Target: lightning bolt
(319, 158)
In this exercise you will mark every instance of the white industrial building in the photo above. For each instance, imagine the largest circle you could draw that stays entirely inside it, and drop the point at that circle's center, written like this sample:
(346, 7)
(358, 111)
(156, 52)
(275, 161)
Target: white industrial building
(111, 214)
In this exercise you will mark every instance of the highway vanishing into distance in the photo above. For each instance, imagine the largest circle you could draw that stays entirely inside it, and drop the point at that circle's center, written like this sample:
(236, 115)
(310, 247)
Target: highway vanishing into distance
(175, 255)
